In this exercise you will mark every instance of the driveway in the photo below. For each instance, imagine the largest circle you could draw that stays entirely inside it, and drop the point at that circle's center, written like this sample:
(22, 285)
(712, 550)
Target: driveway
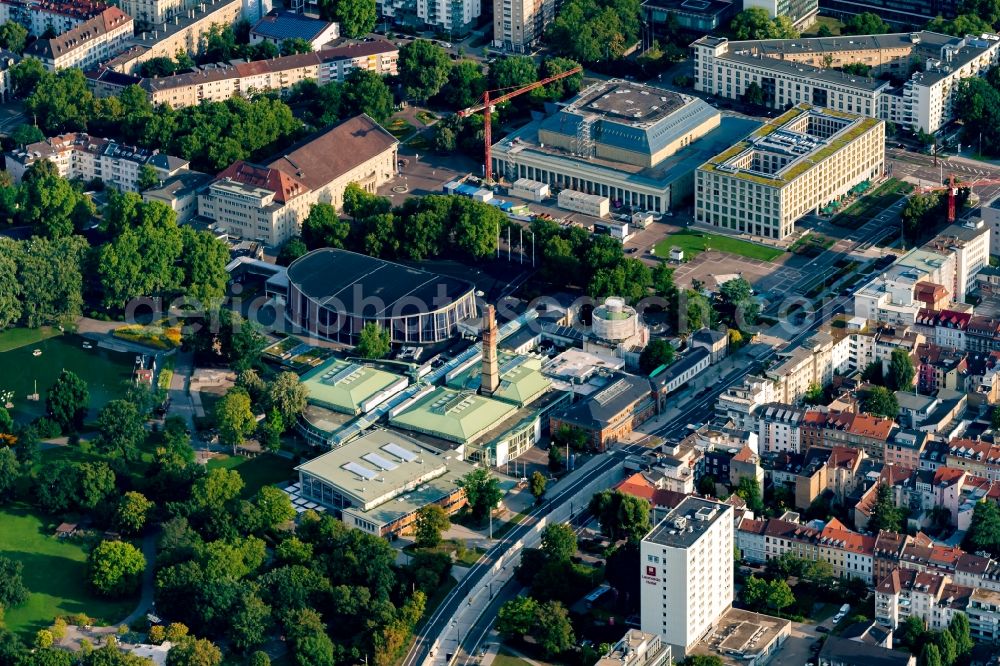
(796, 650)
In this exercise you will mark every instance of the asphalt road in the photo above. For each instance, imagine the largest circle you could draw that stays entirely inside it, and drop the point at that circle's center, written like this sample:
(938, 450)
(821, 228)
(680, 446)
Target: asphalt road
(438, 622)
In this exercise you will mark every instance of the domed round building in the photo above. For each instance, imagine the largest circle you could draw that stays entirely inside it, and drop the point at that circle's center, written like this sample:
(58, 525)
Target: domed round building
(333, 293)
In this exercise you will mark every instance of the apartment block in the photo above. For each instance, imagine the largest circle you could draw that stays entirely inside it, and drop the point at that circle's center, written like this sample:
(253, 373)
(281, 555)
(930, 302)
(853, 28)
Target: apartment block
(778, 428)
(86, 157)
(216, 83)
(52, 16)
(862, 432)
(802, 161)
(969, 243)
(806, 70)
(686, 568)
(637, 648)
(87, 44)
(455, 17)
(184, 32)
(932, 597)
(268, 202)
(802, 13)
(518, 25)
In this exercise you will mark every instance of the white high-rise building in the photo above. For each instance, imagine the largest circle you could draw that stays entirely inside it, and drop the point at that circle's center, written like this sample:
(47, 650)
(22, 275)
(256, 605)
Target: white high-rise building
(686, 566)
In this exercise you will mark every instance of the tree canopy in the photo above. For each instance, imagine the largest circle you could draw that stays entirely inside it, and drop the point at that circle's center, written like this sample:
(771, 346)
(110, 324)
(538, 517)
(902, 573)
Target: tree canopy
(589, 31)
(424, 68)
(756, 23)
(621, 516)
(984, 530)
(865, 23)
(880, 401)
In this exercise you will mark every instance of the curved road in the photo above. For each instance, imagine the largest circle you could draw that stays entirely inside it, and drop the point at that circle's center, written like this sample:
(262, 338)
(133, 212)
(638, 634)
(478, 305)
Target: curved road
(438, 621)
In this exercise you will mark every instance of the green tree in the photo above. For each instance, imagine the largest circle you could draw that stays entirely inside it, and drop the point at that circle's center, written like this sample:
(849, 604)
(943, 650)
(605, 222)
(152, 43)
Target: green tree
(13, 37)
(216, 488)
(423, 69)
(537, 483)
(880, 401)
(558, 542)
(13, 591)
(25, 134)
(995, 418)
(814, 394)
(703, 660)
(324, 228)
(366, 92)
(271, 430)
(884, 513)
(465, 86)
(699, 313)
(234, 417)
(288, 395)
(373, 341)
(563, 88)
(61, 102)
(865, 23)
(356, 17)
(553, 630)
(51, 204)
(750, 491)
(960, 631)
(10, 472)
(259, 658)
(513, 72)
(901, 370)
(737, 306)
(250, 622)
(67, 400)
(946, 646)
(51, 277)
(291, 250)
(120, 429)
(987, 10)
(132, 512)
(755, 23)
(753, 94)
(482, 491)
(295, 45)
(912, 633)
(194, 652)
(658, 352)
(594, 30)
(203, 261)
(311, 646)
(779, 595)
(148, 178)
(10, 287)
(984, 529)
(621, 516)
(114, 568)
(431, 521)
(930, 655)
(516, 618)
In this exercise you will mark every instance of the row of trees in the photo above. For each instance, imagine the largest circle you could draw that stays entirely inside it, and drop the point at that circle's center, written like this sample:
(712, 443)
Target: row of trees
(977, 106)
(591, 31)
(421, 228)
(428, 74)
(211, 135)
(949, 646)
(281, 401)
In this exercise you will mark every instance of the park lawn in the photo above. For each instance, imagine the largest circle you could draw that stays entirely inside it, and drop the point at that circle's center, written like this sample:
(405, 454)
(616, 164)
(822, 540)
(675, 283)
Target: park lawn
(55, 571)
(265, 470)
(695, 242)
(505, 658)
(833, 24)
(15, 338)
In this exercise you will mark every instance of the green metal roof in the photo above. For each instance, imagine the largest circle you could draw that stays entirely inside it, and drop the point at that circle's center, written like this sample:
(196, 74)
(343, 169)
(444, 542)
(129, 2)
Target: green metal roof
(344, 386)
(457, 416)
(521, 381)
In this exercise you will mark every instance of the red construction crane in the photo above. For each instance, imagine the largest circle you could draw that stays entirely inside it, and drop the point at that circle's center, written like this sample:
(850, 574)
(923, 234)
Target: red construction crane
(952, 188)
(489, 103)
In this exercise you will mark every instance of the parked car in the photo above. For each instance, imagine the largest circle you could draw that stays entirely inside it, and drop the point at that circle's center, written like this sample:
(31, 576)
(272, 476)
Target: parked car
(822, 630)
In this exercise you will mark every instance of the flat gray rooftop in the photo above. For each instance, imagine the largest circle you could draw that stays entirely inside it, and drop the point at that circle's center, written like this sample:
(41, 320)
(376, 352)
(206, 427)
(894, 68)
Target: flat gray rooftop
(632, 102)
(683, 526)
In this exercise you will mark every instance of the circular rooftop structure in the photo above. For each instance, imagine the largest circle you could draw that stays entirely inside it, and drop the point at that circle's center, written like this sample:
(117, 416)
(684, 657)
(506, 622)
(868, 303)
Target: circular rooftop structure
(614, 320)
(333, 293)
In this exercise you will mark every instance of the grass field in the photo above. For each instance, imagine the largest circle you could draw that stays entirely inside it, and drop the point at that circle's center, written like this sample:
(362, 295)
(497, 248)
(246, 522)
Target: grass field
(464, 556)
(55, 571)
(870, 205)
(264, 470)
(831, 23)
(21, 337)
(505, 658)
(696, 242)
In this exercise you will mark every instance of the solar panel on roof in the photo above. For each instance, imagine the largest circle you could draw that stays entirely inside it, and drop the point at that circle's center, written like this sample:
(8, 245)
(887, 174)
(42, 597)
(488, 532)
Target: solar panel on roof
(399, 452)
(360, 470)
(380, 462)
